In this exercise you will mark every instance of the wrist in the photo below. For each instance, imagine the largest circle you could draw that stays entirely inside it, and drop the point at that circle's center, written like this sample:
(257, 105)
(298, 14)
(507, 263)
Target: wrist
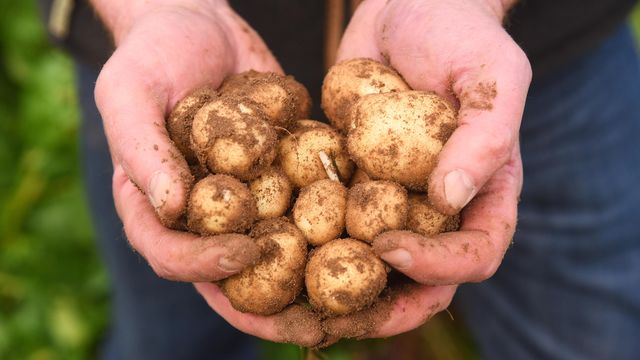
(120, 16)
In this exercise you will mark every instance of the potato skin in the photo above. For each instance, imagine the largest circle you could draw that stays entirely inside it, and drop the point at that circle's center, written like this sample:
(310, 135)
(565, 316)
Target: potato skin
(344, 276)
(272, 191)
(281, 98)
(375, 207)
(424, 219)
(232, 137)
(319, 211)
(220, 204)
(398, 136)
(277, 278)
(348, 81)
(181, 117)
(298, 153)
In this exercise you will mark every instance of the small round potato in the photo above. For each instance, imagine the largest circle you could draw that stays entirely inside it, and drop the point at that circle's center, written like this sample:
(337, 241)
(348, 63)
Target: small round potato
(375, 207)
(319, 211)
(426, 220)
(181, 118)
(300, 158)
(398, 136)
(281, 98)
(344, 276)
(276, 280)
(272, 191)
(220, 204)
(350, 80)
(231, 137)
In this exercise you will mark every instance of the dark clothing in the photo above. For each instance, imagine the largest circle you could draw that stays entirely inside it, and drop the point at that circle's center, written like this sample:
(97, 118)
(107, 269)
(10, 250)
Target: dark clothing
(552, 32)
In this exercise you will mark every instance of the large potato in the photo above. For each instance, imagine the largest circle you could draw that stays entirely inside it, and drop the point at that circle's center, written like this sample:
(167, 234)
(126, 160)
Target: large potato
(220, 204)
(181, 117)
(398, 136)
(319, 211)
(374, 207)
(299, 153)
(232, 137)
(348, 81)
(276, 280)
(344, 276)
(281, 98)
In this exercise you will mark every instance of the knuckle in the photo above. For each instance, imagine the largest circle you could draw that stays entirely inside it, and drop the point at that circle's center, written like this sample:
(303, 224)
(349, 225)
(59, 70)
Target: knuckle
(103, 84)
(499, 142)
(162, 261)
(162, 271)
(488, 270)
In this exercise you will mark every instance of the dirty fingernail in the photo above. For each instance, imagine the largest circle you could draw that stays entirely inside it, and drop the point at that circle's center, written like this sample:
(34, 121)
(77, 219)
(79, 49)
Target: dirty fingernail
(398, 258)
(159, 189)
(230, 265)
(458, 188)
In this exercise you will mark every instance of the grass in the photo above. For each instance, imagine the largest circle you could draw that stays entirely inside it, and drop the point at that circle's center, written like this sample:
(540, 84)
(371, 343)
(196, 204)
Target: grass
(53, 289)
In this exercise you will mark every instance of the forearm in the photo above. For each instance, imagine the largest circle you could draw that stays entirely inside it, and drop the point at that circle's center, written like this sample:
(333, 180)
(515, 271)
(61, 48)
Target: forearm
(119, 15)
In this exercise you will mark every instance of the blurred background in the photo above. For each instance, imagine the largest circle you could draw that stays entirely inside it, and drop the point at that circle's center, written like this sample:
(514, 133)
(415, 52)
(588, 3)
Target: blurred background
(54, 293)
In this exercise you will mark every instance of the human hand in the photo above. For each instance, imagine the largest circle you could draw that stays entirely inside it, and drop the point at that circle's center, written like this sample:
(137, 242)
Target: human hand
(458, 49)
(166, 48)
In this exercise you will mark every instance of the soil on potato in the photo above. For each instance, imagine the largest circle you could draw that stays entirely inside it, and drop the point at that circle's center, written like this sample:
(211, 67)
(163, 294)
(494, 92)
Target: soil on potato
(237, 222)
(179, 122)
(218, 128)
(245, 85)
(365, 322)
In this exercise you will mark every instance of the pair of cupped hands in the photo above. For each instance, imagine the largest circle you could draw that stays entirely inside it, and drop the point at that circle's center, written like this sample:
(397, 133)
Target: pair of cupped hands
(457, 48)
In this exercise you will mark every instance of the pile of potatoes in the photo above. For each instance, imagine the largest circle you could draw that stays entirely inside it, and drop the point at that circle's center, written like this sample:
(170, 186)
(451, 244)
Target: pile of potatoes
(313, 196)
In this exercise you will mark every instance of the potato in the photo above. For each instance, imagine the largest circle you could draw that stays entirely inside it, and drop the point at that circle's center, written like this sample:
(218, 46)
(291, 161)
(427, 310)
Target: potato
(220, 204)
(359, 177)
(426, 220)
(344, 276)
(277, 278)
(375, 207)
(348, 81)
(232, 137)
(281, 98)
(272, 191)
(319, 211)
(181, 117)
(299, 153)
(398, 136)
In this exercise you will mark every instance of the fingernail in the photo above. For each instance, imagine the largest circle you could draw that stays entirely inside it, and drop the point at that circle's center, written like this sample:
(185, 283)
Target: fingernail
(398, 258)
(159, 189)
(458, 188)
(230, 265)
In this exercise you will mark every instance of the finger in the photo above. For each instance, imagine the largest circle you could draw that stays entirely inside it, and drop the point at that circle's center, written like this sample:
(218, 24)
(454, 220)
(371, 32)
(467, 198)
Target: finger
(469, 255)
(402, 310)
(295, 324)
(133, 109)
(491, 107)
(178, 255)
(358, 40)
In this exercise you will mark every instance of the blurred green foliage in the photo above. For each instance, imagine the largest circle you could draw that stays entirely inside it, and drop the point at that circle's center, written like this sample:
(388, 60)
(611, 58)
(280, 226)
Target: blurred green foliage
(53, 290)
